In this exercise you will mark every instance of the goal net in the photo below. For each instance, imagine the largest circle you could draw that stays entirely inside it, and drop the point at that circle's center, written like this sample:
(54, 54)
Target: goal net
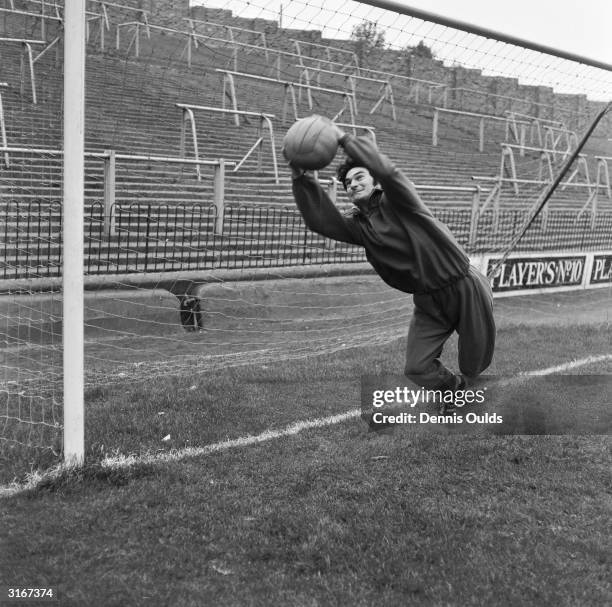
(195, 258)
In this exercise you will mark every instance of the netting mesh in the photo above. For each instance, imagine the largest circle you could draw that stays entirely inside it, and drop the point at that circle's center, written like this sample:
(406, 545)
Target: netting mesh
(481, 126)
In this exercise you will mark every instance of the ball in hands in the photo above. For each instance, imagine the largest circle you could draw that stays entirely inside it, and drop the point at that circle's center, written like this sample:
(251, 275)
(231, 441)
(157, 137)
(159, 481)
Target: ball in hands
(311, 143)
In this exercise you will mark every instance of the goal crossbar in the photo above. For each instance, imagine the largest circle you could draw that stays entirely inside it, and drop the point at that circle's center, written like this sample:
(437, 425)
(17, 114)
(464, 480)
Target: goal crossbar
(393, 5)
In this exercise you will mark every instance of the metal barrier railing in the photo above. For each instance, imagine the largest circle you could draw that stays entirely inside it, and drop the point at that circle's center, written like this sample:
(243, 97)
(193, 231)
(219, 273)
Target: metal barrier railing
(164, 237)
(27, 46)
(353, 61)
(44, 17)
(266, 119)
(229, 90)
(415, 83)
(482, 120)
(194, 24)
(602, 182)
(110, 158)
(3, 137)
(385, 86)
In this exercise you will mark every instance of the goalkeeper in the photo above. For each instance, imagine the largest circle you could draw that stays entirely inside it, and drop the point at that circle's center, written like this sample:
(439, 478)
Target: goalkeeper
(411, 251)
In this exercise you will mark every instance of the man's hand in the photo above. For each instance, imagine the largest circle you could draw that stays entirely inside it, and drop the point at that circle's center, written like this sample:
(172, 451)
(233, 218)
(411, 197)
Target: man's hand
(295, 171)
(338, 132)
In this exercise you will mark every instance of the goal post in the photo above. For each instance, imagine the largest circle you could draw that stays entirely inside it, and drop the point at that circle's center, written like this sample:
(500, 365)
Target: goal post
(73, 231)
(133, 271)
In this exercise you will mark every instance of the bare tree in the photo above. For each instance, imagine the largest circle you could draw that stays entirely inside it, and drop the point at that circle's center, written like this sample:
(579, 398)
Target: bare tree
(368, 41)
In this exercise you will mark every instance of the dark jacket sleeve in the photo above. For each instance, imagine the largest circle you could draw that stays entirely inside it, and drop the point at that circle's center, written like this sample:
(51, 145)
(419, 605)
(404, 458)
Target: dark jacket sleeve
(399, 190)
(320, 213)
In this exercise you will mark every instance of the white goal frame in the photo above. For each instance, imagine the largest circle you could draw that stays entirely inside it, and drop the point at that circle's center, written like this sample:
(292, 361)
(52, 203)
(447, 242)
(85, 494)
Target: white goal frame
(73, 232)
(73, 278)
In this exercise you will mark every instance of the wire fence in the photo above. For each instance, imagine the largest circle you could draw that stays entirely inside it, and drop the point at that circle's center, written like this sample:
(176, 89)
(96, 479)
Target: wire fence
(158, 238)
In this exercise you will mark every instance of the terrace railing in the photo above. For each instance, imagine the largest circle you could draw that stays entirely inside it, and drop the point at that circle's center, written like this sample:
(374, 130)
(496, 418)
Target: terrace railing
(369, 130)
(27, 52)
(43, 16)
(602, 182)
(385, 86)
(264, 119)
(438, 93)
(352, 61)
(555, 136)
(196, 25)
(3, 138)
(457, 100)
(482, 120)
(535, 123)
(167, 238)
(435, 92)
(229, 92)
(110, 158)
(493, 199)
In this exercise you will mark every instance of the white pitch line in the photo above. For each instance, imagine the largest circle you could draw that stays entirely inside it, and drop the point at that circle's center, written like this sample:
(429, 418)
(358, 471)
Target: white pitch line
(244, 441)
(572, 365)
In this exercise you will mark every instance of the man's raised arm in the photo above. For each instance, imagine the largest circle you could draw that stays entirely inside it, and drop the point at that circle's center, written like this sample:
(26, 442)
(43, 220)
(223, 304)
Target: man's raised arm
(319, 212)
(398, 188)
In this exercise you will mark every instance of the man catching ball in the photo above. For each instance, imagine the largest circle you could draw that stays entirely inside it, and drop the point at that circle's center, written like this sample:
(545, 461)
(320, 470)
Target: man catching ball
(411, 251)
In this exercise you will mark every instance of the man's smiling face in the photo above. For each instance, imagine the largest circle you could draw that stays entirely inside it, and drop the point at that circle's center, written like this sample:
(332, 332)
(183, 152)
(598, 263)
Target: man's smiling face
(359, 185)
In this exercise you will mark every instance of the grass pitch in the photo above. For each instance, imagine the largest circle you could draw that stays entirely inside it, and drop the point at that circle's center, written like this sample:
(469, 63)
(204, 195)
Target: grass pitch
(332, 516)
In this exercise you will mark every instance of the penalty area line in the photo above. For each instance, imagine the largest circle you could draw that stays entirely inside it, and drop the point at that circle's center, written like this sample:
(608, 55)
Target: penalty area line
(125, 461)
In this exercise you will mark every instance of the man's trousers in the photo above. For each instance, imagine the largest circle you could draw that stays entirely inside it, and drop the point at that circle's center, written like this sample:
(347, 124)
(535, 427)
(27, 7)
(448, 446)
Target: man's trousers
(465, 306)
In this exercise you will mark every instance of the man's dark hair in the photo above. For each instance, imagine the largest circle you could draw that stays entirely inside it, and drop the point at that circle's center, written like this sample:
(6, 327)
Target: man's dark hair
(345, 167)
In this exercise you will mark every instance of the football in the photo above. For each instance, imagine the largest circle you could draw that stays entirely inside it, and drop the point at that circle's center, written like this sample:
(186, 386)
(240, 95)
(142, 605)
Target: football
(311, 143)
